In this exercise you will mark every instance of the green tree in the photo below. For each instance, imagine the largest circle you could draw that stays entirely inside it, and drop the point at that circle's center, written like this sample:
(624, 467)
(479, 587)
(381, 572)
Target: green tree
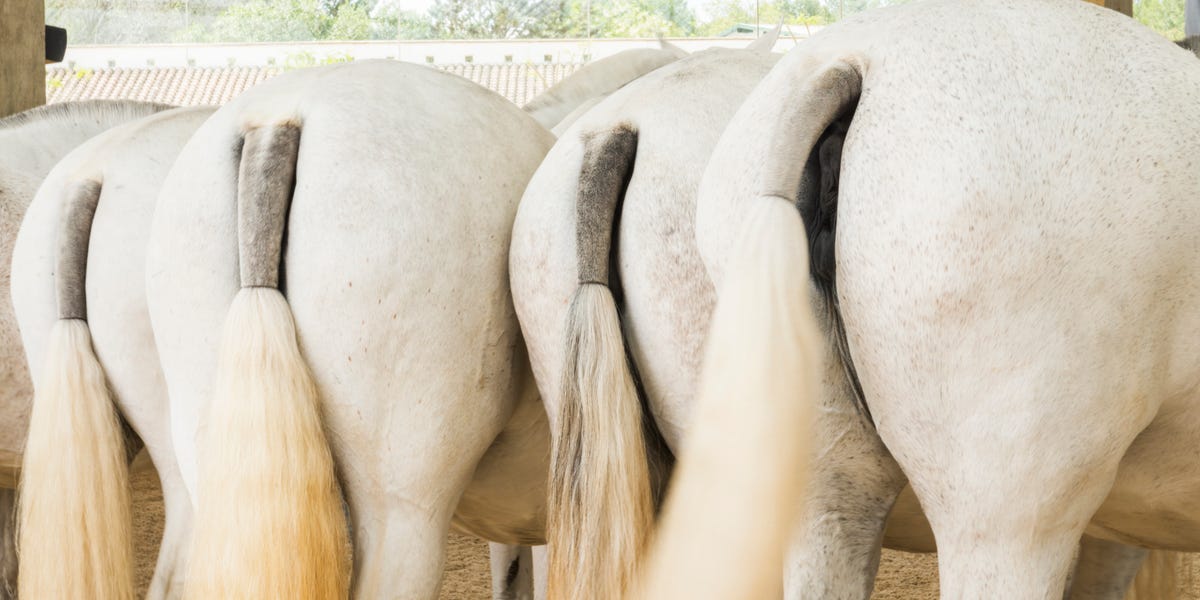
(350, 23)
(272, 21)
(474, 19)
(1163, 16)
(642, 18)
(116, 21)
(494, 19)
(724, 14)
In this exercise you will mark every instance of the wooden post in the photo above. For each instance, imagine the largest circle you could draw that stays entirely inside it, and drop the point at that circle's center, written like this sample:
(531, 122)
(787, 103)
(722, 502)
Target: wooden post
(1124, 6)
(22, 55)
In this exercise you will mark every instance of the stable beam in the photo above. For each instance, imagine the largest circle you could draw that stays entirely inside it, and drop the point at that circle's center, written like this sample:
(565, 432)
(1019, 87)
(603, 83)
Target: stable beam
(22, 55)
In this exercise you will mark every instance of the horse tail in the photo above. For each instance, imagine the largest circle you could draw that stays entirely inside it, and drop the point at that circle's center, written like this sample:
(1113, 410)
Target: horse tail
(74, 511)
(601, 504)
(1158, 579)
(269, 522)
(741, 478)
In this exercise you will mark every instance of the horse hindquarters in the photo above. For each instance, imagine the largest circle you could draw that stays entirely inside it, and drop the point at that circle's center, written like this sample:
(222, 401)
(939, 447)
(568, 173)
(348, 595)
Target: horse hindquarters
(269, 520)
(600, 507)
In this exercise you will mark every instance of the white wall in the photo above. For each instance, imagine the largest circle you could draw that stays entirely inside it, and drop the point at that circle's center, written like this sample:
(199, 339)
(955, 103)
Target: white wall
(442, 51)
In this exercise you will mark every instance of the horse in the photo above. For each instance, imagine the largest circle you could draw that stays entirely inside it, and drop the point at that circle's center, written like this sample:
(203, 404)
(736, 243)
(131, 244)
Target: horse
(666, 304)
(597, 79)
(31, 143)
(350, 226)
(512, 574)
(1032, 382)
(601, 508)
(79, 297)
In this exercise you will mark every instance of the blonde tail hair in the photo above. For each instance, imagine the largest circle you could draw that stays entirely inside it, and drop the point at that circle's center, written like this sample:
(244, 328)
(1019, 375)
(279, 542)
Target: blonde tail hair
(1158, 579)
(741, 474)
(742, 471)
(74, 529)
(74, 526)
(269, 524)
(601, 505)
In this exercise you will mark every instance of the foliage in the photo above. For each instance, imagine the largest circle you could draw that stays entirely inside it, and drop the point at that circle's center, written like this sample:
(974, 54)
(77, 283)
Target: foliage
(272, 21)
(149, 21)
(724, 14)
(642, 18)
(498, 19)
(508, 19)
(112, 21)
(303, 60)
(1163, 16)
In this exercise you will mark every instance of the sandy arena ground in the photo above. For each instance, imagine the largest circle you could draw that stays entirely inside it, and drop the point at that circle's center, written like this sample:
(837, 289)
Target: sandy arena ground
(901, 576)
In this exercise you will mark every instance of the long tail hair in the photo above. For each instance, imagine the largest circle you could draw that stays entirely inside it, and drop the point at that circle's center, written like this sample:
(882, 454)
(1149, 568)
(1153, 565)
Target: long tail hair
(269, 524)
(1158, 579)
(601, 504)
(74, 523)
(741, 477)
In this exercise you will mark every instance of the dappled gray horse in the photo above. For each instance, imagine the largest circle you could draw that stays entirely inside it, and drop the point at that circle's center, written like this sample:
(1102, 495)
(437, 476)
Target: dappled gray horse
(663, 294)
(1003, 249)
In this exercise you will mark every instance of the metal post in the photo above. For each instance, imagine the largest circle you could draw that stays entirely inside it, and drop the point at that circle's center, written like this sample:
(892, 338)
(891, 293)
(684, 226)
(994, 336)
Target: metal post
(1192, 17)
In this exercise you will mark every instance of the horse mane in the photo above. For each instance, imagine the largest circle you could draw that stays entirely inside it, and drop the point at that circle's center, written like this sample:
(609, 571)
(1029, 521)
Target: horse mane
(116, 110)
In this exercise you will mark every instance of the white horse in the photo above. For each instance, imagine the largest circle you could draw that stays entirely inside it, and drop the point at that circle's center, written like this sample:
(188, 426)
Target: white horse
(514, 574)
(1011, 270)
(601, 504)
(350, 225)
(667, 301)
(79, 296)
(569, 98)
(31, 143)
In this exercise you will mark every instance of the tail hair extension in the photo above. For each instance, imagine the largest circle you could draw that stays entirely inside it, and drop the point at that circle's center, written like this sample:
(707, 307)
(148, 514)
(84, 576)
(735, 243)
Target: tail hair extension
(601, 505)
(269, 523)
(74, 509)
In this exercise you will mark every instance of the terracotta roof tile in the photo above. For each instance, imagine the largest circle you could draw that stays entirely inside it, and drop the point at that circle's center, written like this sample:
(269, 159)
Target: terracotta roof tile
(186, 86)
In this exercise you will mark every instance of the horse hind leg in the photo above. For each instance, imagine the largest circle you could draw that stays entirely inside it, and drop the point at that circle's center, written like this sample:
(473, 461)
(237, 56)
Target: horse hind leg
(8, 544)
(1007, 524)
(1104, 570)
(386, 536)
(512, 572)
(835, 550)
(167, 582)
